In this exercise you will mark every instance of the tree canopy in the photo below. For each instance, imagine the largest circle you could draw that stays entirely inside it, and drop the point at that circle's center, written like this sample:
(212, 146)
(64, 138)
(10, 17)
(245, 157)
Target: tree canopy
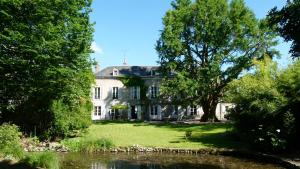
(207, 44)
(287, 21)
(266, 106)
(45, 64)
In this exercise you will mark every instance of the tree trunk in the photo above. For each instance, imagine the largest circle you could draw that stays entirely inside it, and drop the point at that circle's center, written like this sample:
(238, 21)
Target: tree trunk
(209, 110)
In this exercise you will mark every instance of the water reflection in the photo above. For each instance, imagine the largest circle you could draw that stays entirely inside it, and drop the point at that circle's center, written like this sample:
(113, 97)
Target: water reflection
(157, 161)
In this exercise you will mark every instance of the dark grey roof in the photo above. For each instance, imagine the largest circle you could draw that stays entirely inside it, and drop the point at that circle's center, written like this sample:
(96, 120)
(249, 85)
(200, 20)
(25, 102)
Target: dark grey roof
(129, 71)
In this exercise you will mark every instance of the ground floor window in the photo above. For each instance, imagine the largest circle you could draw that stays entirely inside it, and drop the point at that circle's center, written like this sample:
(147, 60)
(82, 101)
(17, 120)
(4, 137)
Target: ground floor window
(175, 112)
(193, 110)
(114, 114)
(97, 111)
(154, 110)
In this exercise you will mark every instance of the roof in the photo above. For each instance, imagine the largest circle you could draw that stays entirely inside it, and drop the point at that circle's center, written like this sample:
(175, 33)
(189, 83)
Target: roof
(141, 71)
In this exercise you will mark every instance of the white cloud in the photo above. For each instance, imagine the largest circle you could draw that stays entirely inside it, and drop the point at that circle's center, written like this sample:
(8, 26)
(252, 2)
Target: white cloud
(96, 48)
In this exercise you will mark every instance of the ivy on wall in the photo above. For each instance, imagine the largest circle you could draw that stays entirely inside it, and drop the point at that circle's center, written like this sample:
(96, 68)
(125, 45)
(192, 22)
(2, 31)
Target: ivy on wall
(130, 81)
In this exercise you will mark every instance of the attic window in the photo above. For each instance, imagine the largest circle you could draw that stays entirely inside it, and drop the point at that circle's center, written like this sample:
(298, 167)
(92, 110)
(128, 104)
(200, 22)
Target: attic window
(115, 72)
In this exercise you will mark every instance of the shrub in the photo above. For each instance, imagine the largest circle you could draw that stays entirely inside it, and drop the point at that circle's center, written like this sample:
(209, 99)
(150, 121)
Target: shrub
(46, 160)
(10, 142)
(82, 145)
(68, 120)
(267, 104)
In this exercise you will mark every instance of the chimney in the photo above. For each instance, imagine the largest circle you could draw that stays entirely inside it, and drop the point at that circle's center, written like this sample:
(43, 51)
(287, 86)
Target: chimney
(125, 61)
(97, 68)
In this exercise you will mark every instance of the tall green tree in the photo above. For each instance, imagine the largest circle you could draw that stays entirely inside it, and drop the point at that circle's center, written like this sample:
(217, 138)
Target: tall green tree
(44, 60)
(266, 111)
(287, 21)
(207, 44)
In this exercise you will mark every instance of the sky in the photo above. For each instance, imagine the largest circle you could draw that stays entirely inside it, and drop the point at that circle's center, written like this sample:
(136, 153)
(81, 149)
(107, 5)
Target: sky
(130, 28)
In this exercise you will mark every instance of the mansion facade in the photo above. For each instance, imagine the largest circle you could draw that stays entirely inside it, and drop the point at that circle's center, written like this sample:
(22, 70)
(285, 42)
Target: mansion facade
(113, 98)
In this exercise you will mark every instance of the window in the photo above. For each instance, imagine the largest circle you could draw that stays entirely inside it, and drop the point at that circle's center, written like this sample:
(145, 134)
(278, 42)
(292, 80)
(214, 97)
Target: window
(175, 112)
(97, 111)
(193, 110)
(115, 72)
(152, 72)
(115, 93)
(97, 93)
(153, 91)
(135, 92)
(226, 108)
(154, 110)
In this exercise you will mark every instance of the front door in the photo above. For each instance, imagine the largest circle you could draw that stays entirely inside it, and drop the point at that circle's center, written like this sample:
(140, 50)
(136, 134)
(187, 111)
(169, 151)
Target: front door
(133, 112)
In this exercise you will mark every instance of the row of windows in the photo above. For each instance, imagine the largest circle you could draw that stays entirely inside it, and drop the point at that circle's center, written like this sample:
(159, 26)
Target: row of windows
(97, 110)
(153, 110)
(134, 92)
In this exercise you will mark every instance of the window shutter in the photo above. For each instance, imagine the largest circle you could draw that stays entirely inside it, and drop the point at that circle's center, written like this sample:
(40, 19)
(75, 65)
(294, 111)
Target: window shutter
(110, 93)
(131, 92)
(148, 92)
(139, 92)
(101, 92)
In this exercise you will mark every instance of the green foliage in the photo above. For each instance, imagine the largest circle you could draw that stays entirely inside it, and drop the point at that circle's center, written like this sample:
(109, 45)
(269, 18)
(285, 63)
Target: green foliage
(131, 81)
(287, 21)
(44, 59)
(266, 110)
(88, 145)
(10, 142)
(70, 119)
(206, 45)
(120, 107)
(47, 160)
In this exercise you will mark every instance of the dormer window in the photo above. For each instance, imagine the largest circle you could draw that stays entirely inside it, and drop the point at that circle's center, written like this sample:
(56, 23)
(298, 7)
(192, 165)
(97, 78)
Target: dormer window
(115, 72)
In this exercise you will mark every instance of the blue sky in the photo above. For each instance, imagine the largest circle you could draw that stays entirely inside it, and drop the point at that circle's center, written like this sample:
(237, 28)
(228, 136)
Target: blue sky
(130, 28)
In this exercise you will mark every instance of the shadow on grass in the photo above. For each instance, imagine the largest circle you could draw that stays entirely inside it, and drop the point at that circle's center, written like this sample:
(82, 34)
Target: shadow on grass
(6, 164)
(179, 127)
(218, 140)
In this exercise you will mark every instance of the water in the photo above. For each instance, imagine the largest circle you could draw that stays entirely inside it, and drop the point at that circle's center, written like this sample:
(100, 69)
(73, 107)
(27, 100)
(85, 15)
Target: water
(157, 161)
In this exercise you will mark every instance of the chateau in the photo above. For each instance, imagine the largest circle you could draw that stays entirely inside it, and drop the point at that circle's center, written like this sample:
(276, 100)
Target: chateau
(131, 92)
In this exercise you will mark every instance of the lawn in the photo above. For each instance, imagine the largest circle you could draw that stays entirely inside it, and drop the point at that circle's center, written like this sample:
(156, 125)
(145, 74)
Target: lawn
(163, 135)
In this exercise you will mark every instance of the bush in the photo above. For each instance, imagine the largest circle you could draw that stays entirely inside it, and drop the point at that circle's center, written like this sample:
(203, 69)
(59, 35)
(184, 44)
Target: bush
(266, 106)
(68, 120)
(10, 142)
(46, 160)
(82, 145)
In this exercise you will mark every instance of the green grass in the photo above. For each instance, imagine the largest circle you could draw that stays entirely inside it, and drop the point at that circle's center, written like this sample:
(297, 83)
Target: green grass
(123, 134)
(87, 144)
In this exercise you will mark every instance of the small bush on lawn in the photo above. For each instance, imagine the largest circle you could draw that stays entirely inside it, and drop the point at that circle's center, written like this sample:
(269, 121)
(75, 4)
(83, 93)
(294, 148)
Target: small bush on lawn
(82, 145)
(10, 142)
(46, 160)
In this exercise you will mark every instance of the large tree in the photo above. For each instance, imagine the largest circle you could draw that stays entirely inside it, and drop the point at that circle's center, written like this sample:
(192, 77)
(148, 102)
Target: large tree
(45, 67)
(206, 44)
(287, 21)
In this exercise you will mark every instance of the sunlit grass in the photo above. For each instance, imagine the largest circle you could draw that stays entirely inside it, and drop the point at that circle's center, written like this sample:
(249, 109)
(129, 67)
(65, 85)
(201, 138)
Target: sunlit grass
(124, 134)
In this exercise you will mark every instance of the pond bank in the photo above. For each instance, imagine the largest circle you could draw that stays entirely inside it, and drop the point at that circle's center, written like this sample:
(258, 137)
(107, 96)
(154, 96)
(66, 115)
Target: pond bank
(286, 162)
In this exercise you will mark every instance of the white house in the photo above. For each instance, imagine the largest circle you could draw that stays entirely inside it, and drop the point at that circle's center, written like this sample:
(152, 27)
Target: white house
(114, 99)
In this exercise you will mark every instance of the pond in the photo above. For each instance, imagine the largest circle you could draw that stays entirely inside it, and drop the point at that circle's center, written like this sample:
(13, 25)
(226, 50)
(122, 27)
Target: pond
(157, 161)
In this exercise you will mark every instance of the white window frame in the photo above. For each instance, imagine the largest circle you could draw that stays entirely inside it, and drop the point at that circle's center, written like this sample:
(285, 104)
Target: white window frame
(97, 92)
(115, 93)
(135, 92)
(115, 72)
(153, 91)
(97, 110)
(193, 110)
(154, 110)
